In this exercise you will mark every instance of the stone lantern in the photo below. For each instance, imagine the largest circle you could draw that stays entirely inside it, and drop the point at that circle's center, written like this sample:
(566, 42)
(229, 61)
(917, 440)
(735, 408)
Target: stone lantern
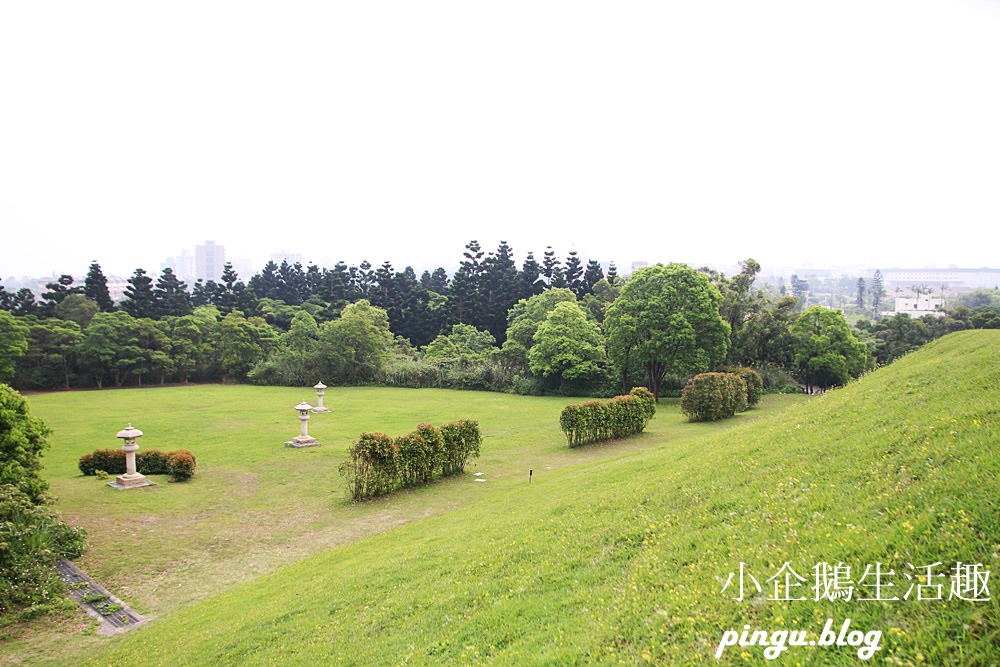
(132, 478)
(319, 398)
(303, 439)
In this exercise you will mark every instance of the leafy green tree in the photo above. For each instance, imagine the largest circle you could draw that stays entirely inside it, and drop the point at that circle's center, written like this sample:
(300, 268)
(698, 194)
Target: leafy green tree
(208, 366)
(185, 342)
(568, 346)
(23, 439)
(600, 298)
(243, 343)
(51, 356)
(827, 352)
(765, 337)
(667, 320)
(158, 360)
(110, 346)
(464, 345)
(302, 333)
(739, 302)
(523, 319)
(77, 308)
(95, 287)
(860, 298)
(978, 299)
(892, 337)
(13, 344)
(355, 347)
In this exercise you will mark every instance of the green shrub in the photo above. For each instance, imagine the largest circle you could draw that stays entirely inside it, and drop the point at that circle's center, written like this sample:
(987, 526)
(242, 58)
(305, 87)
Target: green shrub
(153, 462)
(181, 464)
(753, 380)
(32, 539)
(714, 396)
(618, 417)
(147, 462)
(371, 470)
(461, 440)
(111, 461)
(379, 464)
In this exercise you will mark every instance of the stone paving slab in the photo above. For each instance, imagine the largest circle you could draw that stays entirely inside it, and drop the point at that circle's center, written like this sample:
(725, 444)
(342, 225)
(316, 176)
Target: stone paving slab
(80, 586)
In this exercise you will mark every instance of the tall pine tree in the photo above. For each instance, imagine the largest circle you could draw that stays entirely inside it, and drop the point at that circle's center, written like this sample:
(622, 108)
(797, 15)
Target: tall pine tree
(95, 287)
(574, 273)
(171, 295)
(139, 301)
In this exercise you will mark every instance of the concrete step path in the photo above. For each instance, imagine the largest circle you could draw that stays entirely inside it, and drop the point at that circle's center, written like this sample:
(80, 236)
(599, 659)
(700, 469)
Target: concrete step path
(80, 585)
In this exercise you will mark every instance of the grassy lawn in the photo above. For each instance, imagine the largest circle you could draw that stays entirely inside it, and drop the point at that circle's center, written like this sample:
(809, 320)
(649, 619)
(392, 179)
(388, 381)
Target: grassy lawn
(255, 505)
(615, 554)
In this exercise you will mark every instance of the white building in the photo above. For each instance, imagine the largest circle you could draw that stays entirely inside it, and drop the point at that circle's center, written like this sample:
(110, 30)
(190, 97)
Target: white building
(920, 306)
(182, 266)
(292, 258)
(209, 261)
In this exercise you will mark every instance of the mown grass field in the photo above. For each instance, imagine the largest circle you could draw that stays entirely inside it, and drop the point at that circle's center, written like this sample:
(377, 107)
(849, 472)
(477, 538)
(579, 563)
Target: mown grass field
(615, 554)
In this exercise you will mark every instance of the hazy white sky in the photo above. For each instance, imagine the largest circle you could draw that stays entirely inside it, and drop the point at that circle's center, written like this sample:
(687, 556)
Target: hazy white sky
(835, 133)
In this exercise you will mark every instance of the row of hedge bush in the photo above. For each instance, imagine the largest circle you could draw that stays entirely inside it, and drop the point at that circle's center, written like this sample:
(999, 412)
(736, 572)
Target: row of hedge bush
(618, 417)
(714, 396)
(380, 464)
(179, 464)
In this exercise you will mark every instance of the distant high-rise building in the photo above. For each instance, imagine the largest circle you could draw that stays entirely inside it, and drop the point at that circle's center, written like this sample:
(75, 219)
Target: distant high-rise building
(182, 266)
(284, 256)
(209, 260)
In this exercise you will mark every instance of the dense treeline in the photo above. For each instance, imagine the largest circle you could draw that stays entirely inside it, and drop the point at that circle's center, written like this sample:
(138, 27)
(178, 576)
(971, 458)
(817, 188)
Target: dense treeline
(549, 325)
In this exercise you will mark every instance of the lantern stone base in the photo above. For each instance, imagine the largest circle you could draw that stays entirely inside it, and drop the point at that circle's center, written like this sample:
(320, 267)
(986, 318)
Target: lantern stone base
(130, 481)
(302, 441)
(320, 408)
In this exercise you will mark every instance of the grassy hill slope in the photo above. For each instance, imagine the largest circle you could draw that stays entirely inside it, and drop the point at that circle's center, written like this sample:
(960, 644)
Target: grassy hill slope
(625, 560)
